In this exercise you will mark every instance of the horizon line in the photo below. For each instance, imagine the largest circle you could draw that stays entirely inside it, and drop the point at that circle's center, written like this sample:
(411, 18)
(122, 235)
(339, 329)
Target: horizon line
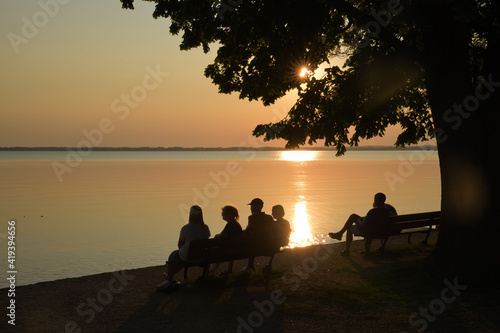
(179, 148)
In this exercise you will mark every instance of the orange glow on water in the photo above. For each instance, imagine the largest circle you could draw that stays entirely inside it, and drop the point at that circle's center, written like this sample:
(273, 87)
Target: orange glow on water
(301, 228)
(298, 156)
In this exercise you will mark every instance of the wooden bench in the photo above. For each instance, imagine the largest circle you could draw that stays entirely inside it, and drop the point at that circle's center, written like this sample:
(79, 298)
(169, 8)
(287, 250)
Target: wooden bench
(408, 224)
(212, 251)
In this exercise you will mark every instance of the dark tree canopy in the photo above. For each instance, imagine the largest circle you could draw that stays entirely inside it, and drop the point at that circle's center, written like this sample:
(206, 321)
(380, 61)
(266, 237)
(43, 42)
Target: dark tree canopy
(262, 46)
(431, 66)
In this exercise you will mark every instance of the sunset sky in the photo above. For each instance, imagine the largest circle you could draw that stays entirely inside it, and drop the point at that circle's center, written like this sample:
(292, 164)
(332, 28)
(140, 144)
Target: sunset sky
(71, 68)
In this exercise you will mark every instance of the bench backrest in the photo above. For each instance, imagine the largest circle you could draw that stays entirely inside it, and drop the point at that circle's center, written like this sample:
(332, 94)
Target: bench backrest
(415, 220)
(395, 224)
(236, 247)
(198, 248)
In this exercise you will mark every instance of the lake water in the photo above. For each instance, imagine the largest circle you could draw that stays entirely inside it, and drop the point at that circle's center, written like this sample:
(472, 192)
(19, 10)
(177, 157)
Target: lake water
(122, 210)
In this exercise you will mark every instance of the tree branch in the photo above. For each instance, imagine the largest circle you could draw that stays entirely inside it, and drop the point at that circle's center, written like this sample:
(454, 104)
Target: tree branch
(127, 4)
(385, 34)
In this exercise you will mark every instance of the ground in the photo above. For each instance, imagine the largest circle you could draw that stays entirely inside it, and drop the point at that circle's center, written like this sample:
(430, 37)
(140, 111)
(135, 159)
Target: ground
(311, 289)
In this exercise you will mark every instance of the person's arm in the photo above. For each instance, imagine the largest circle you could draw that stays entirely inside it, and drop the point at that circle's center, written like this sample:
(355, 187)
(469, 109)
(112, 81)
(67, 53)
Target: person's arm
(369, 216)
(391, 209)
(367, 219)
(249, 225)
(225, 232)
(181, 242)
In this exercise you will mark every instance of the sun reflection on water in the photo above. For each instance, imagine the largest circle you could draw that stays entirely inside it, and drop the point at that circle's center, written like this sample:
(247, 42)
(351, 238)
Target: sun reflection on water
(301, 229)
(298, 155)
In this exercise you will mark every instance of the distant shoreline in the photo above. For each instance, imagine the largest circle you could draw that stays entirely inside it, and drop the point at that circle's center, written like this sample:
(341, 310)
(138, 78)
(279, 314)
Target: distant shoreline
(364, 148)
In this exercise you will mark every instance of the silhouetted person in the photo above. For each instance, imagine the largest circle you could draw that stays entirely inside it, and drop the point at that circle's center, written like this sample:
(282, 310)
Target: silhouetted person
(365, 226)
(260, 225)
(281, 226)
(195, 229)
(231, 230)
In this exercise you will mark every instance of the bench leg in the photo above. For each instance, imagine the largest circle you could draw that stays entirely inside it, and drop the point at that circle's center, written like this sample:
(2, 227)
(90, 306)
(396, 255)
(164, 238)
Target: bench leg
(409, 238)
(205, 271)
(427, 237)
(383, 242)
(271, 261)
(230, 267)
(368, 244)
(186, 273)
(267, 270)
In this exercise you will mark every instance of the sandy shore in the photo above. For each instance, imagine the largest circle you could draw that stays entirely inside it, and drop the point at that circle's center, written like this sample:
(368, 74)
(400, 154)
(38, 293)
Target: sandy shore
(312, 289)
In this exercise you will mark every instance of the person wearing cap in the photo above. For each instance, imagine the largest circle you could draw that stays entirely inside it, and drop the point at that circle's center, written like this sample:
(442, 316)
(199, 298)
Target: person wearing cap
(364, 226)
(259, 225)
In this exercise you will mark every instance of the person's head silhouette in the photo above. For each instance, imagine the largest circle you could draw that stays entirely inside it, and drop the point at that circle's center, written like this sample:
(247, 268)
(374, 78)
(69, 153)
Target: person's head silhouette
(278, 212)
(256, 205)
(379, 200)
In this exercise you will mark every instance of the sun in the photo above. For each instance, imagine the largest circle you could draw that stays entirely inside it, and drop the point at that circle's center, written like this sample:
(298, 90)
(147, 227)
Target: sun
(304, 71)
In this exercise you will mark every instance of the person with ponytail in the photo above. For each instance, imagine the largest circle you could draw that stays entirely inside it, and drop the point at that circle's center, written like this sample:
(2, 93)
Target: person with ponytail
(195, 229)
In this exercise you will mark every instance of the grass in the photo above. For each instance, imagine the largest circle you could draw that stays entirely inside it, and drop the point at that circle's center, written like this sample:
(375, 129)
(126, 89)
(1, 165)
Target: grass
(375, 293)
(385, 293)
(407, 250)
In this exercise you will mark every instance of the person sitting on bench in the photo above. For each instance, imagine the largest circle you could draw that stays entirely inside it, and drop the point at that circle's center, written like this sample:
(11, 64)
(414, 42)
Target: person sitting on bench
(195, 229)
(282, 226)
(232, 229)
(364, 226)
(259, 225)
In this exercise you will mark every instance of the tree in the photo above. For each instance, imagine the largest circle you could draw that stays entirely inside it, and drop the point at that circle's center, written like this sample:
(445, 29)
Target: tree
(430, 66)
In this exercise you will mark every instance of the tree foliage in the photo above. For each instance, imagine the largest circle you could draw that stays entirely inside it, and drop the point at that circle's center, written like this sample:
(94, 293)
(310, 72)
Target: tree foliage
(262, 46)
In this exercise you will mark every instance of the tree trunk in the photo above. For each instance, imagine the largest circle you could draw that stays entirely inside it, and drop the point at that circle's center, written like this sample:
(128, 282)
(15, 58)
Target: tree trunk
(465, 116)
